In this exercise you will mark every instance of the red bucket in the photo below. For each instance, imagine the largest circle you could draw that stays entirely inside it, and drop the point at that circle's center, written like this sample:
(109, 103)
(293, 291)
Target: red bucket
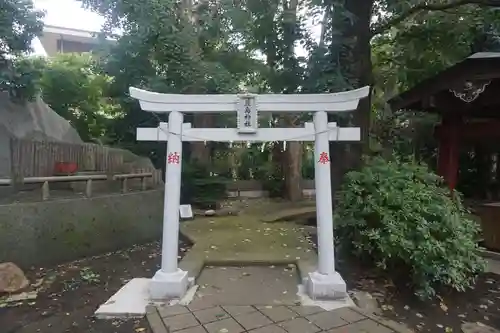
(65, 168)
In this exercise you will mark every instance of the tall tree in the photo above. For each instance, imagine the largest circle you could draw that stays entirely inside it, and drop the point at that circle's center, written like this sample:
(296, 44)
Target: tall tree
(72, 85)
(274, 29)
(171, 47)
(19, 24)
(342, 59)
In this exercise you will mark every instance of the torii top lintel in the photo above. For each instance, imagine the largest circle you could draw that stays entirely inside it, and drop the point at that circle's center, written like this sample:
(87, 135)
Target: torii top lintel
(330, 102)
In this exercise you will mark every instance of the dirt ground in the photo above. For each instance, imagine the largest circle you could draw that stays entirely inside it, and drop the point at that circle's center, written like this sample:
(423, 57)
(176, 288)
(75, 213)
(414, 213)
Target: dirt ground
(444, 314)
(69, 294)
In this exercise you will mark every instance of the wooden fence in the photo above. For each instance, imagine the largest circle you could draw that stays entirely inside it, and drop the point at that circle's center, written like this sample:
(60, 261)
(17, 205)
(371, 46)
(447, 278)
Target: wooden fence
(38, 158)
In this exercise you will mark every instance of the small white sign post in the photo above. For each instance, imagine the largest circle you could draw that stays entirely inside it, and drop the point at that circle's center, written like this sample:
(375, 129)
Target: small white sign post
(170, 281)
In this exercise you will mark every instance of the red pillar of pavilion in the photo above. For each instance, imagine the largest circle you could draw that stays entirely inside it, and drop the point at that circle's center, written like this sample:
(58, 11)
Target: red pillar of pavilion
(448, 135)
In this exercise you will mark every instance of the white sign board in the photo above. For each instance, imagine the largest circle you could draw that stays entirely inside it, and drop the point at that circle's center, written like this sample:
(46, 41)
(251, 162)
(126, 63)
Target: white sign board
(186, 211)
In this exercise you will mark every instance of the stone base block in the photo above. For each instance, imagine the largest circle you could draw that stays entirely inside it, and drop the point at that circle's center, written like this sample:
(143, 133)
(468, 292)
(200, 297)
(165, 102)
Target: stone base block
(165, 286)
(326, 287)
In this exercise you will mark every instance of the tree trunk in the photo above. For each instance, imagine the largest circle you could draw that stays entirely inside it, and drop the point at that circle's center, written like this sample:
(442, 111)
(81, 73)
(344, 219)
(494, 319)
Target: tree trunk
(359, 64)
(200, 151)
(293, 166)
(293, 153)
(277, 158)
(293, 171)
(356, 66)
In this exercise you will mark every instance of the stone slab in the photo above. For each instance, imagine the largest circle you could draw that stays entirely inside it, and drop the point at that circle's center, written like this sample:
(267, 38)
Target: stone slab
(275, 285)
(369, 325)
(259, 319)
(174, 310)
(156, 323)
(197, 329)
(235, 310)
(299, 325)
(278, 313)
(306, 310)
(269, 329)
(209, 315)
(327, 320)
(180, 322)
(128, 302)
(226, 326)
(349, 315)
(252, 320)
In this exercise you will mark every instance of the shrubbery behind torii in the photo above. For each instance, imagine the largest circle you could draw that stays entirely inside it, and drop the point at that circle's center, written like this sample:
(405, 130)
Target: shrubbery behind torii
(400, 216)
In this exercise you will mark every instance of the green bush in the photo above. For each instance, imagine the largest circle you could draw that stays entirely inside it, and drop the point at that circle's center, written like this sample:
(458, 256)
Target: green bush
(200, 187)
(402, 217)
(272, 180)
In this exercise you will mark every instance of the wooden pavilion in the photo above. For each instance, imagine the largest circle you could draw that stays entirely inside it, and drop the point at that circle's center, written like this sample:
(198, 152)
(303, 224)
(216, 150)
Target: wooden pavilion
(466, 97)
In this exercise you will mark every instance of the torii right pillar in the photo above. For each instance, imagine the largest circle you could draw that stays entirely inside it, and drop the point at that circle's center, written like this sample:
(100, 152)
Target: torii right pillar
(325, 282)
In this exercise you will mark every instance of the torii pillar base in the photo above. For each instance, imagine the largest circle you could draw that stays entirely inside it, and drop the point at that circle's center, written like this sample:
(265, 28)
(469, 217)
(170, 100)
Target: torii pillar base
(165, 286)
(326, 287)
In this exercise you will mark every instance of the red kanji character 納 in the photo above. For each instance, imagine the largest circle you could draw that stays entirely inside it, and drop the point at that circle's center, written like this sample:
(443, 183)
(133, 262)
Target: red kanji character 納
(323, 158)
(173, 158)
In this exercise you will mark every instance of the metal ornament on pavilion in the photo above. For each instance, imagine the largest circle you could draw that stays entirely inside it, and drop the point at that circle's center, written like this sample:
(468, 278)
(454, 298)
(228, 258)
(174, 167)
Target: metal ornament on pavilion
(470, 90)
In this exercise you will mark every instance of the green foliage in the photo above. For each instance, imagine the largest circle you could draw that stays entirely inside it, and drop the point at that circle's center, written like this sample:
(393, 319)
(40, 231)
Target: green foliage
(200, 187)
(308, 165)
(89, 276)
(273, 181)
(400, 215)
(19, 24)
(24, 75)
(72, 86)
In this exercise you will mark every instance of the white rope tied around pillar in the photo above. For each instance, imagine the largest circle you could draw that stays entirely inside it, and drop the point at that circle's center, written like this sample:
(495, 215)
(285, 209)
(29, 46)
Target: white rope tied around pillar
(203, 139)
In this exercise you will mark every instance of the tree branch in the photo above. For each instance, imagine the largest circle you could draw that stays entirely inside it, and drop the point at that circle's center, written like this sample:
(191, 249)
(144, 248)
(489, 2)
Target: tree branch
(387, 24)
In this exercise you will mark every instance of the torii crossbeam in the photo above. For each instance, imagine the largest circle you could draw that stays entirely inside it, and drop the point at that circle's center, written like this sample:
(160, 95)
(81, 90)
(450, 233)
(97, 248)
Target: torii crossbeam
(171, 282)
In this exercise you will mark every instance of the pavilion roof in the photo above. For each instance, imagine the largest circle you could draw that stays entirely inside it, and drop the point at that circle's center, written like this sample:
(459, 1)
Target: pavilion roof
(436, 94)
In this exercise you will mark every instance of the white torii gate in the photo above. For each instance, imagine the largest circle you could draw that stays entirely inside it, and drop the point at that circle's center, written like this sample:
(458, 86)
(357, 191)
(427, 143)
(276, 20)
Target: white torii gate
(172, 282)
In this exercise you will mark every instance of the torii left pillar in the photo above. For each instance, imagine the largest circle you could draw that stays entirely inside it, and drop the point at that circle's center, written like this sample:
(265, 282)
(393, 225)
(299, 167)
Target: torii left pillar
(170, 281)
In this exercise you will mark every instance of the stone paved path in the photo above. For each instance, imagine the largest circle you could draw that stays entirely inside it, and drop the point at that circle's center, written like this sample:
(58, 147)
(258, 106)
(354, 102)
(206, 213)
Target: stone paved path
(265, 319)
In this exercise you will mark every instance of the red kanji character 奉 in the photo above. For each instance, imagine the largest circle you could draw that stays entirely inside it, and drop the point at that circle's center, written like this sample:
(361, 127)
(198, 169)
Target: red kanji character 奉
(323, 158)
(173, 158)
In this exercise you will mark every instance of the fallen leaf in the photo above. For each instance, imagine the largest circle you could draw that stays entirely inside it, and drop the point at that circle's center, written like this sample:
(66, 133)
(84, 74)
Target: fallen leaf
(140, 329)
(443, 307)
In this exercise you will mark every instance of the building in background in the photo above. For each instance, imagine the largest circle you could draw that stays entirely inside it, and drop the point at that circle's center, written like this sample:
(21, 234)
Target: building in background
(66, 40)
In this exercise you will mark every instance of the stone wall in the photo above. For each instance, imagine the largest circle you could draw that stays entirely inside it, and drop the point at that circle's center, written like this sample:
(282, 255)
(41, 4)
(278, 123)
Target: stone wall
(254, 189)
(44, 233)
